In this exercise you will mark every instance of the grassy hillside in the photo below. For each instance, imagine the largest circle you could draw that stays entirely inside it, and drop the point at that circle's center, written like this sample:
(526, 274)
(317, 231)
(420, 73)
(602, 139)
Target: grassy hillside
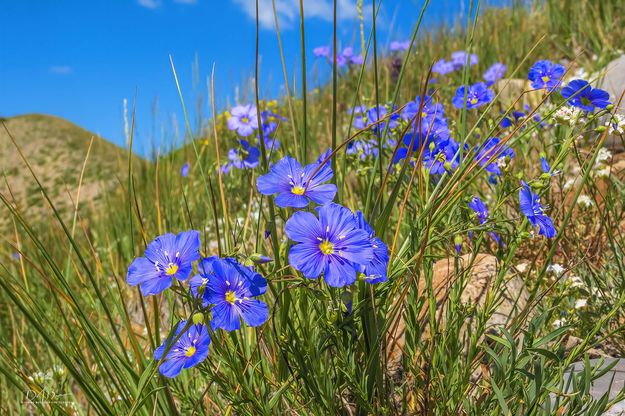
(474, 310)
(57, 151)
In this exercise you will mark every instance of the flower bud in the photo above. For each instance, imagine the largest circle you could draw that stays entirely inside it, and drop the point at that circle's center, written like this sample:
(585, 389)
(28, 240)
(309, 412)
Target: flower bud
(198, 318)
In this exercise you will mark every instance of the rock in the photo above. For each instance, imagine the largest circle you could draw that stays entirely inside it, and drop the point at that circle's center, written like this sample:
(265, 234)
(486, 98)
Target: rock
(512, 89)
(482, 272)
(614, 79)
(572, 342)
(611, 382)
(614, 83)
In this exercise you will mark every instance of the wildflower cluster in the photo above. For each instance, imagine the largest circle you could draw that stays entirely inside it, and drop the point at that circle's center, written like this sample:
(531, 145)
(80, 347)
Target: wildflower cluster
(337, 243)
(243, 120)
(344, 58)
(226, 288)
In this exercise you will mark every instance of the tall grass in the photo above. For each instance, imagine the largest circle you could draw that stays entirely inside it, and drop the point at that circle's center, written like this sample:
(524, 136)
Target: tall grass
(75, 339)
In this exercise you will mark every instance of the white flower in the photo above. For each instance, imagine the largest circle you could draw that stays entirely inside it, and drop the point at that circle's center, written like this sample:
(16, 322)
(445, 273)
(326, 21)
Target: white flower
(603, 156)
(558, 323)
(569, 115)
(597, 293)
(602, 173)
(580, 303)
(576, 282)
(58, 370)
(569, 184)
(616, 124)
(585, 201)
(556, 269)
(580, 73)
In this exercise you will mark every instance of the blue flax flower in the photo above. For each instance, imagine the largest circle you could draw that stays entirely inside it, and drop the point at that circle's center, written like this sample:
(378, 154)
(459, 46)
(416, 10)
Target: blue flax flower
(441, 155)
(295, 185)
(544, 166)
(322, 52)
(190, 350)
(494, 73)
(512, 119)
(429, 112)
(242, 157)
(363, 149)
(533, 210)
(375, 271)
(375, 114)
(197, 285)
(332, 244)
(346, 57)
(580, 94)
(243, 119)
(443, 67)
(493, 155)
(477, 95)
(184, 171)
(478, 206)
(400, 46)
(459, 59)
(169, 256)
(545, 74)
(231, 289)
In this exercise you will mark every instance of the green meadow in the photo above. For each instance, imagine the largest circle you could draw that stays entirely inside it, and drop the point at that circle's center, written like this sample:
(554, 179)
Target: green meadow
(467, 312)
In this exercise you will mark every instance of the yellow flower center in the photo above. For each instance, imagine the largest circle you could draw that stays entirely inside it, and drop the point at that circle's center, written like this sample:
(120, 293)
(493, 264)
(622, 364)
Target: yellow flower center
(424, 114)
(474, 100)
(546, 78)
(245, 119)
(297, 190)
(230, 297)
(189, 351)
(326, 247)
(171, 269)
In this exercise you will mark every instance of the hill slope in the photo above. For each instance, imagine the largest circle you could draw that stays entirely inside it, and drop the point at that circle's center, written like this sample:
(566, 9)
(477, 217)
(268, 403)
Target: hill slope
(56, 149)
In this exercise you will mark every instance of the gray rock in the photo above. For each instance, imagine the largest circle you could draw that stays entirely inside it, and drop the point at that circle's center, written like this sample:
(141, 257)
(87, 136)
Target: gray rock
(612, 382)
(480, 273)
(613, 81)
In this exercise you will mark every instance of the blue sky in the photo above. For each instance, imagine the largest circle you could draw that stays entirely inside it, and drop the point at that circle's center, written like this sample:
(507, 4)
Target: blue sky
(79, 59)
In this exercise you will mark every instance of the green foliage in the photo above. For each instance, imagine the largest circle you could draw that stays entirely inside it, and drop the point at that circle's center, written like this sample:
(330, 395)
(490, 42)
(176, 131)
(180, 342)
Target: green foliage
(75, 339)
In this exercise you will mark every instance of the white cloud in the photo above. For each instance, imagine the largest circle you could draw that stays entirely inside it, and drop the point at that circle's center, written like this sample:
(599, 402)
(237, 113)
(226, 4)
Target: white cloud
(61, 69)
(288, 11)
(149, 4)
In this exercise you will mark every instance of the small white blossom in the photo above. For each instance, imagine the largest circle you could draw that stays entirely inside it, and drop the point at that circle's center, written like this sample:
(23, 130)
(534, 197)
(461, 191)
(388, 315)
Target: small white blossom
(569, 184)
(603, 155)
(596, 293)
(602, 173)
(580, 73)
(585, 201)
(558, 323)
(576, 282)
(556, 269)
(569, 115)
(616, 125)
(580, 303)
